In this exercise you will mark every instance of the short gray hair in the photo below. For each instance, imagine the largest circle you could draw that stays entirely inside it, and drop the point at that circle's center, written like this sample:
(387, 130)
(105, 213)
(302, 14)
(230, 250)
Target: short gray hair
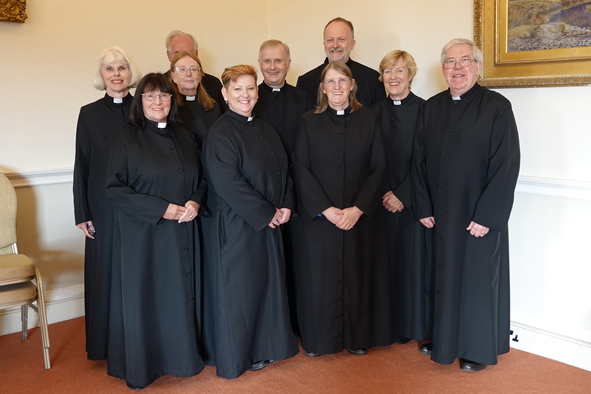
(476, 53)
(118, 55)
(179, 33)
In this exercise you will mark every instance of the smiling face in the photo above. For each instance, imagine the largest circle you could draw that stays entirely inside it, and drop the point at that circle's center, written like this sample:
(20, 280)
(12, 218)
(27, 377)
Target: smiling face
(274, 65)
(337, 87)
(116, 77)
(338, 41)
(157, 110)
(188, 80)
(241, 95)
(461, 79)
(397, 80)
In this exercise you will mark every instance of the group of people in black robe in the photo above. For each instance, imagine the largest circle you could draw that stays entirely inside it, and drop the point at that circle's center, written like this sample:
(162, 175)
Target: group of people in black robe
(223, 220)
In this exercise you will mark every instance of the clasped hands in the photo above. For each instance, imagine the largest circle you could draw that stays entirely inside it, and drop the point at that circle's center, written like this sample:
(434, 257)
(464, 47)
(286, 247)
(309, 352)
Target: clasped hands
(281, 216)
(182, 213)
(344, 219)
(392, 203)
(475, 229)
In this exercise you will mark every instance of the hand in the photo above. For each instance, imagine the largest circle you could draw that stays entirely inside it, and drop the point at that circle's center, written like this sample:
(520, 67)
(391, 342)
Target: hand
(477, 230)
(191, 211)
(392, 203)
(349, 218)
(87, 228)
(428, 222)
(174, 212)
(333, 214)
(276, 221)
(286, 215)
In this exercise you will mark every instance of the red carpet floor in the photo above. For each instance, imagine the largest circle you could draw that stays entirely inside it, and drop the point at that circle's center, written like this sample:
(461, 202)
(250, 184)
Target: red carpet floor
(393, 369)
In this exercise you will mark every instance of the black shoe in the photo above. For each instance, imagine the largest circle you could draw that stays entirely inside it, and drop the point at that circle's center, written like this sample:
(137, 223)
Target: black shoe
(401, 341)
(259, 365)
(471, 366)
(134, 387)
(312, 355)
(358, 352)
(426, 348)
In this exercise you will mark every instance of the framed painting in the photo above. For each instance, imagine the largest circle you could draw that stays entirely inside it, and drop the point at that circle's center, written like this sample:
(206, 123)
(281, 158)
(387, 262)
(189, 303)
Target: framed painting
(529, 43)
(13, 11)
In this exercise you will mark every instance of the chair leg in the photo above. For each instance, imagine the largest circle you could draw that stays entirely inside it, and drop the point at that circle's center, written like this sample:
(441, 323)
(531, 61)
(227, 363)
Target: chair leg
(43, 319)
(24, 320)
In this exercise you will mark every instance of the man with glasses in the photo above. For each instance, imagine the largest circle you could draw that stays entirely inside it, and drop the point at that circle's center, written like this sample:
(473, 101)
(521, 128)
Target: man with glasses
(178, 41)
(465, 167)
(339, 41)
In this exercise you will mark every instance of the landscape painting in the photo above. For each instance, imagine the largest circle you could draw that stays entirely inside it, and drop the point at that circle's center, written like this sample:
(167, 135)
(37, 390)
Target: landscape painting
(534, 25)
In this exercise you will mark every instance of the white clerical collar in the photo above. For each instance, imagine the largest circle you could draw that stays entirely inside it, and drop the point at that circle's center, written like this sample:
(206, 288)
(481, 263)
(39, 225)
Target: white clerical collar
(341, 112)
(276, 90)
(117, 100)
(250, 118)
(190, 98)
(456, 98)
(161, 125)
(397, 102)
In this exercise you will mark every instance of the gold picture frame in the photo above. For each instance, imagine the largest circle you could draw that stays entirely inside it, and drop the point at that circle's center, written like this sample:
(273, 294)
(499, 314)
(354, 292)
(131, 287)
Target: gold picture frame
(504, 67)
(13, 11)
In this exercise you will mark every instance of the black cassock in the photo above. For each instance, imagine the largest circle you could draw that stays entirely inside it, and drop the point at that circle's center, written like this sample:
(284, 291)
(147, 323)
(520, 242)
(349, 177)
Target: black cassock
(369, 88)
(406, 235)
(213, 87)
(194, 118)
(282, 108)
(465, 168)
(98, 123)
(342, 277)
(246, 315)
(156, 267)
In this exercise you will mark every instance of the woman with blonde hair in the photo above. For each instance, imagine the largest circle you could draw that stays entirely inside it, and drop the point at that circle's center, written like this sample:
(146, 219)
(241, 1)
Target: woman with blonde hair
(98, 123)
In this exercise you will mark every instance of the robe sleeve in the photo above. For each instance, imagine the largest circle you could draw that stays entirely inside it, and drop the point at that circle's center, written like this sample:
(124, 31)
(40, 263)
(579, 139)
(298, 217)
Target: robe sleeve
(495, 202)
(121, 195)
(81, 164)
(420, 191)
(370, 195)
(222, 161)
(312, 196)
(402, 192)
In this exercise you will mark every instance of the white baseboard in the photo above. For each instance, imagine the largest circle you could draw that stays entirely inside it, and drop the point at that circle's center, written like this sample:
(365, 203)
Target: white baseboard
(545, 343)
(61, 304)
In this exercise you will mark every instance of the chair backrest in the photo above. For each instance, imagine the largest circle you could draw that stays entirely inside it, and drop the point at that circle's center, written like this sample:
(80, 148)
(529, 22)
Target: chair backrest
(7, 215)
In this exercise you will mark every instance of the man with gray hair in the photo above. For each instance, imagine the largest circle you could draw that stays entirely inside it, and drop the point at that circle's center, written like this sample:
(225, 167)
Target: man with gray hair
(178, 41)
(339, 41)
(465, 167)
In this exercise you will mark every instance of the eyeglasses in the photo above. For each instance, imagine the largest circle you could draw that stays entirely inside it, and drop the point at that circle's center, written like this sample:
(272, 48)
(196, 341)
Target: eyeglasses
(182, 70)
(333, 82)
(463, 62)
(152, 96)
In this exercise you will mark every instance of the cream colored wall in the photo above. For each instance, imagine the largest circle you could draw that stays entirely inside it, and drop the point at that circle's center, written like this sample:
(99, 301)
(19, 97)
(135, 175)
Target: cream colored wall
(47, 64)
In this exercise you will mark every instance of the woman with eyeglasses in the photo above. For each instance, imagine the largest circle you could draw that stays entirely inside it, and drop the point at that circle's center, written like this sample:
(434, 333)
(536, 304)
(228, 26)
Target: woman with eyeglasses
(197, 110)
(406, 235)
(342, 277)
(98, 123)
(154, 182)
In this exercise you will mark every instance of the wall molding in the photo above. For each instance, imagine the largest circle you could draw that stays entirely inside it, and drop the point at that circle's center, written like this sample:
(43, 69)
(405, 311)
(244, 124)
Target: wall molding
(41, 177)
(577, 190)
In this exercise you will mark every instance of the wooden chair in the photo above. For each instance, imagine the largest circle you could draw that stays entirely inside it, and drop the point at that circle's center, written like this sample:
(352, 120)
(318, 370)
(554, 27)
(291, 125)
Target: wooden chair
(17, 271)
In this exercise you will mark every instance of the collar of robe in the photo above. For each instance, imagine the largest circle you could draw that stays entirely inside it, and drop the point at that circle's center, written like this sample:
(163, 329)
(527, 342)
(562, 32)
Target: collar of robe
(348, 63)
(189, 98)
(339, 114)
(117, 102)
(249, 120)
(159, 127)
(405, 100)
(466, 95)
(270, 89)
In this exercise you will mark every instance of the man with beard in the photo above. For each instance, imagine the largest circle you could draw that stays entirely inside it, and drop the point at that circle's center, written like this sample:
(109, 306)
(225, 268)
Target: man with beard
(339, 41)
